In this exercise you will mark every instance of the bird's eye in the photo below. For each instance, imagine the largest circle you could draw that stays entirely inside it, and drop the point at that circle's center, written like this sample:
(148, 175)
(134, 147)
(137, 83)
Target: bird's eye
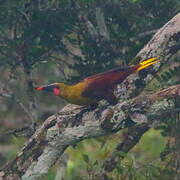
(56, 91)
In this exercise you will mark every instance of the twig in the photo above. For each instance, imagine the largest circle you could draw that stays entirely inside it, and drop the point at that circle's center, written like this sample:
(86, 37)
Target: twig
(17, 100)
(147, 33)
(101, 23)
(24, 131)
(89, 26)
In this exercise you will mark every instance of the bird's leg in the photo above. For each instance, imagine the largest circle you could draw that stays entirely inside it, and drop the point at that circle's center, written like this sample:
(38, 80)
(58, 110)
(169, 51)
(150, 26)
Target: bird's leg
(86, 109)
(111, 99)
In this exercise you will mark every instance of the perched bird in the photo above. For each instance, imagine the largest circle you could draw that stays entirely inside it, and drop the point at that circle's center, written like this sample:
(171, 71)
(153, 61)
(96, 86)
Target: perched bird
(97, 87)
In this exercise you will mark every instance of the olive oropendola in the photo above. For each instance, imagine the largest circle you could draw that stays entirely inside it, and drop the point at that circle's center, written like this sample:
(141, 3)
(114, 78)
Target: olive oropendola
(97, 87)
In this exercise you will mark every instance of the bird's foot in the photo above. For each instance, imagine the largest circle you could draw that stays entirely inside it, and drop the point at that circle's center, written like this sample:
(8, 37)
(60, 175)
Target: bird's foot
(78, 116)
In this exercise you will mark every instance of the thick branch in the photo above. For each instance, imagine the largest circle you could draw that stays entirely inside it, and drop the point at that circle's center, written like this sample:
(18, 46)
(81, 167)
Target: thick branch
(122, 115)
(64, 134)
(131, 138)
(134, 133)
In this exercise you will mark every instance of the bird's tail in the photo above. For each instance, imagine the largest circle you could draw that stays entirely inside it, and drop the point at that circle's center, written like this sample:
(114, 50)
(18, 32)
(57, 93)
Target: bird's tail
(146, 63)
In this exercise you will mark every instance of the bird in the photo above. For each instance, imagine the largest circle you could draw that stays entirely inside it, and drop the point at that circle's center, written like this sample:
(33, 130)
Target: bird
(92, 89)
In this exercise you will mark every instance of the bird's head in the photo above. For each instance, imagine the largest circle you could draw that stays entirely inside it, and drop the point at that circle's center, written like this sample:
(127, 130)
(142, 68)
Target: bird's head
(54, 88)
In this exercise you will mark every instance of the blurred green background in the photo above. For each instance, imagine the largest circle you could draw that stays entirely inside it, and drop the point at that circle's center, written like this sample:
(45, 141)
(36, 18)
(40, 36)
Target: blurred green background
(46, 41)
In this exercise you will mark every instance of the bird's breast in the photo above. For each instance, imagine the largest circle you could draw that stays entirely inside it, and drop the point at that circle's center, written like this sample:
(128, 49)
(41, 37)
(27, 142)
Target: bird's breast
(73, 94)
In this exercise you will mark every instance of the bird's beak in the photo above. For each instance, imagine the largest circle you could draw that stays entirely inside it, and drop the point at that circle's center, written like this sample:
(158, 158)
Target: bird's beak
(48, 88)
(39, 88)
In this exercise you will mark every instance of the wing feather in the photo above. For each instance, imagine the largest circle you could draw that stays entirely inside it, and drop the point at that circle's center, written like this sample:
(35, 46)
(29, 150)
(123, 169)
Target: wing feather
(100, 84)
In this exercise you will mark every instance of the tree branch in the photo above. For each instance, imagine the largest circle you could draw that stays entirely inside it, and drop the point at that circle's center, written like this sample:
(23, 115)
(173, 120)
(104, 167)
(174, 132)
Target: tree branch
(131, 138)
(83, 18)
(133, 135)
(164, 44)
(101, 23)
(58, 131)
(36, 158)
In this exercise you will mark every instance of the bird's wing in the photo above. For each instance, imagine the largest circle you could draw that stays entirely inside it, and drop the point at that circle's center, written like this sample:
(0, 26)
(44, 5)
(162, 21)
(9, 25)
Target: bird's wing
(109, 78)
(103, 84)
(110, 74)
(117, 75)
(99, 85)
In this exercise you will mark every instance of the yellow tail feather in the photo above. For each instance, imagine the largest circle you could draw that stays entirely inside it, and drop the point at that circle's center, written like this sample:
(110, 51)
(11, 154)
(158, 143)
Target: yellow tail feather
(146, 63)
